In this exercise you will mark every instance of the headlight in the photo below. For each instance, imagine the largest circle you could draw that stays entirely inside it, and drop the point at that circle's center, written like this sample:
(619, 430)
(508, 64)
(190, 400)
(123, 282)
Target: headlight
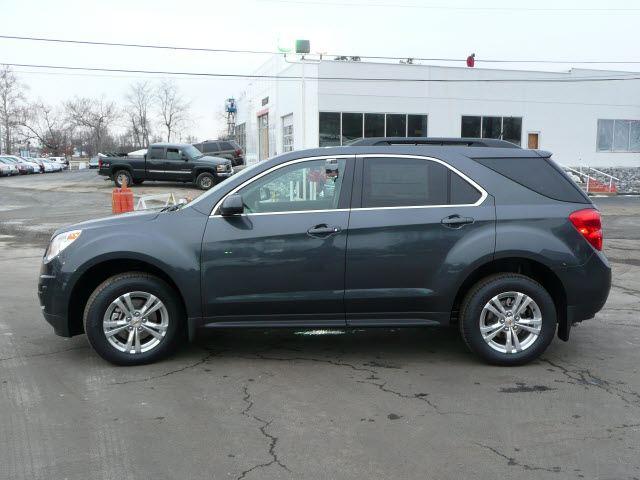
(221, 168)
(59, 243)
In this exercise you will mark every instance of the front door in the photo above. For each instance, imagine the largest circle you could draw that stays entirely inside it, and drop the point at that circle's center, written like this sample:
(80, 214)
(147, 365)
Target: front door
(283, 260)
(155, 164)
(413, 230)
(177, 165)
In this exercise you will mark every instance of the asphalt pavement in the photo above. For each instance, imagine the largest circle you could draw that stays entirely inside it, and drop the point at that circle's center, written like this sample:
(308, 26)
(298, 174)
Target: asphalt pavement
(377, 404)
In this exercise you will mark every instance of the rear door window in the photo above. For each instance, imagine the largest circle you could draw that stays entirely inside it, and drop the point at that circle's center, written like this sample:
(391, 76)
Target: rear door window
(210, 147)
(226, 146)
(156, 153)
(403, 182)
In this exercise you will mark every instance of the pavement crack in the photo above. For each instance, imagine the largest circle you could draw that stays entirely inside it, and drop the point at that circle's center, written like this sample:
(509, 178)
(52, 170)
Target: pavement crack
(512, 462)
(370, 380)
(44, 354)
(585, 377)
(166, 374)
(272, 439)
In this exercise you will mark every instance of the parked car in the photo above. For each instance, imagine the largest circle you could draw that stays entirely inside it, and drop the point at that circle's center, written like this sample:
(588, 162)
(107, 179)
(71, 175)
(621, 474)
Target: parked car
(23, 167)
(165, 161)
(38, 163)
(497, 242)
(35, 166)
(60, 160)
(7, 167)
(55, 166)
(49, 166)
(228, 149)
(94, 162)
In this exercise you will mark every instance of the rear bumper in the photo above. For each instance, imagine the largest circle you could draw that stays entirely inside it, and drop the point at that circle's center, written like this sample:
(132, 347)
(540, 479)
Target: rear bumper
(587, 287)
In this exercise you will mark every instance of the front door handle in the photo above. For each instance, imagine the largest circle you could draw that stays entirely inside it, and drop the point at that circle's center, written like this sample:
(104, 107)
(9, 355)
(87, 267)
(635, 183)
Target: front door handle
(456, 221)
(323, 230)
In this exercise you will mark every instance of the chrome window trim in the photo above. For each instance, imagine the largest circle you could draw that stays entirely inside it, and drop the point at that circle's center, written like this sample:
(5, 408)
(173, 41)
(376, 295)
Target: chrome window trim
(483, 192)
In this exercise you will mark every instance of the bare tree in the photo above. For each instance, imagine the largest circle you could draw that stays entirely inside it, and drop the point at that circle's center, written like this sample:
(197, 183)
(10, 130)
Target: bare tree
(174, 109)
(96, 116)
(139, 100)
(49, 127)
(12, 109)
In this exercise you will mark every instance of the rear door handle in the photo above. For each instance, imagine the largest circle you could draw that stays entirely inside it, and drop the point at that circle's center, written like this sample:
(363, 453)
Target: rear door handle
(323, 230)
(456, 221)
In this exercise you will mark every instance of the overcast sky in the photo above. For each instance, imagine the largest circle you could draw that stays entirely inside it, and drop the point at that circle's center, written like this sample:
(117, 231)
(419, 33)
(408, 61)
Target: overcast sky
(413, 28)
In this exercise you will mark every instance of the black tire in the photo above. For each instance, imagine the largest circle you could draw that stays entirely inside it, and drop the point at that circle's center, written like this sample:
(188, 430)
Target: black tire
(138, 182)
(119, 175)
(118, 285)
(205, 181)
(481, 293)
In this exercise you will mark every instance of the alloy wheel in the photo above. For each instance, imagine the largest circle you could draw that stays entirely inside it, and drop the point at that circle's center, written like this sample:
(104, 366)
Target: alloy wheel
(510, 322)
(135, 322)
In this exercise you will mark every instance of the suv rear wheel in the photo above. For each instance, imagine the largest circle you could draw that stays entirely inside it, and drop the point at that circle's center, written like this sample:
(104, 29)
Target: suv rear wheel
(508, 319)
(133, 318)
(120, 176)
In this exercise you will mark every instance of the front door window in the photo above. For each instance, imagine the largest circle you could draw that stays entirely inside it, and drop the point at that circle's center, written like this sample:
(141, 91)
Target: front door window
(309, 185)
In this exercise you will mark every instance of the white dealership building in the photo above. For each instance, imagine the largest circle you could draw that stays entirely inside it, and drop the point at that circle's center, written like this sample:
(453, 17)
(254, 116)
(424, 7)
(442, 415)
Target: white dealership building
(322, 103)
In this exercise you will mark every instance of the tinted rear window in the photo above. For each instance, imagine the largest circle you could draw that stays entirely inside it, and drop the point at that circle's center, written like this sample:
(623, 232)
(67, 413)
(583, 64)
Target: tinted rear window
(210, 147)
(226, 146)
(537, 174)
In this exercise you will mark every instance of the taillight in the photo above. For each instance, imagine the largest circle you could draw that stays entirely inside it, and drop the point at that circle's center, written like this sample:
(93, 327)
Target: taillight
(588, 223)
(99, 163)
(238, 152)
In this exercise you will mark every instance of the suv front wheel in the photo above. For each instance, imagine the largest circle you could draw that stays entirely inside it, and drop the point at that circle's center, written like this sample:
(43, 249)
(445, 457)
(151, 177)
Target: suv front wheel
(133, 318)
(508, 319)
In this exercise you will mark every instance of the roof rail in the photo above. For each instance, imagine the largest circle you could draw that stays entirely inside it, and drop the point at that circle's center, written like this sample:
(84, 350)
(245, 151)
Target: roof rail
(441, 141)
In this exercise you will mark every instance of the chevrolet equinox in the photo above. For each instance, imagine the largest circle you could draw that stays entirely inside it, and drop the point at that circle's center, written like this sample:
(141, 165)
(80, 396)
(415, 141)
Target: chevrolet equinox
(480, 235)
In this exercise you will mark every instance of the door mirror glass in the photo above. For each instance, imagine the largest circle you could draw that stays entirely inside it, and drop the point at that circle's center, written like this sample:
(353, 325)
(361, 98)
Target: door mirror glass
(185, 157)
(232, 205)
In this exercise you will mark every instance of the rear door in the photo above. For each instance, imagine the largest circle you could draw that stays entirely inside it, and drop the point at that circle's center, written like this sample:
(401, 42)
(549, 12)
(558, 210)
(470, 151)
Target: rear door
(155, 163)
(416, 226)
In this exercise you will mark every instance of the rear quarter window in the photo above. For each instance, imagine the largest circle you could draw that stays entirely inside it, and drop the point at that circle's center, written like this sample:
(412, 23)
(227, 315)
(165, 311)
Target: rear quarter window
(539, 174)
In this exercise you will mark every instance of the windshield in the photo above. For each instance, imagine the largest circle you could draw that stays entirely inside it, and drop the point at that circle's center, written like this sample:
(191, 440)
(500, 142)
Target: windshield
(191, 151)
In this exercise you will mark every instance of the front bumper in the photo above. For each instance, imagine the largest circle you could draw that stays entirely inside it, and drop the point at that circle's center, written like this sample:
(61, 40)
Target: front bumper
(52, 298)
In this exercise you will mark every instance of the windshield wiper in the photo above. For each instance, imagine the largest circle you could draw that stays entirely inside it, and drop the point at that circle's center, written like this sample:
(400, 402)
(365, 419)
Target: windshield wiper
(172, 208)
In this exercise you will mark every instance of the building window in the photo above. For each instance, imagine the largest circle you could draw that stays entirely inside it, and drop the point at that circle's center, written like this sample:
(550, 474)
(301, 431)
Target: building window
(396, 125)
(241, 136)
(351, 127)
(342, 128)
(417, 125)
(618, 136)
(287, 133)
(503, 128)
(374, 124)
(329, 129)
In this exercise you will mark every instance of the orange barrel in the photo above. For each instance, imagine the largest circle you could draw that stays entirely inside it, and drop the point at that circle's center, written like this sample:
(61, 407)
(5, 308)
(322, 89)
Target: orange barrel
(115, 201)
(126, 200)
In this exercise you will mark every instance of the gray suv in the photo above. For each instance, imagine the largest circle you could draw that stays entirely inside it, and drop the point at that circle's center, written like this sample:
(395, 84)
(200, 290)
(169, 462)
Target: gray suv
(228, 149)
(495, 241)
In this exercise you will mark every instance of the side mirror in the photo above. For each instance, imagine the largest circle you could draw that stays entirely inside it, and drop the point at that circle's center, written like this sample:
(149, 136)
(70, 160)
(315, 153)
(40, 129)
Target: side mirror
(185, 158)
(232, 205)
